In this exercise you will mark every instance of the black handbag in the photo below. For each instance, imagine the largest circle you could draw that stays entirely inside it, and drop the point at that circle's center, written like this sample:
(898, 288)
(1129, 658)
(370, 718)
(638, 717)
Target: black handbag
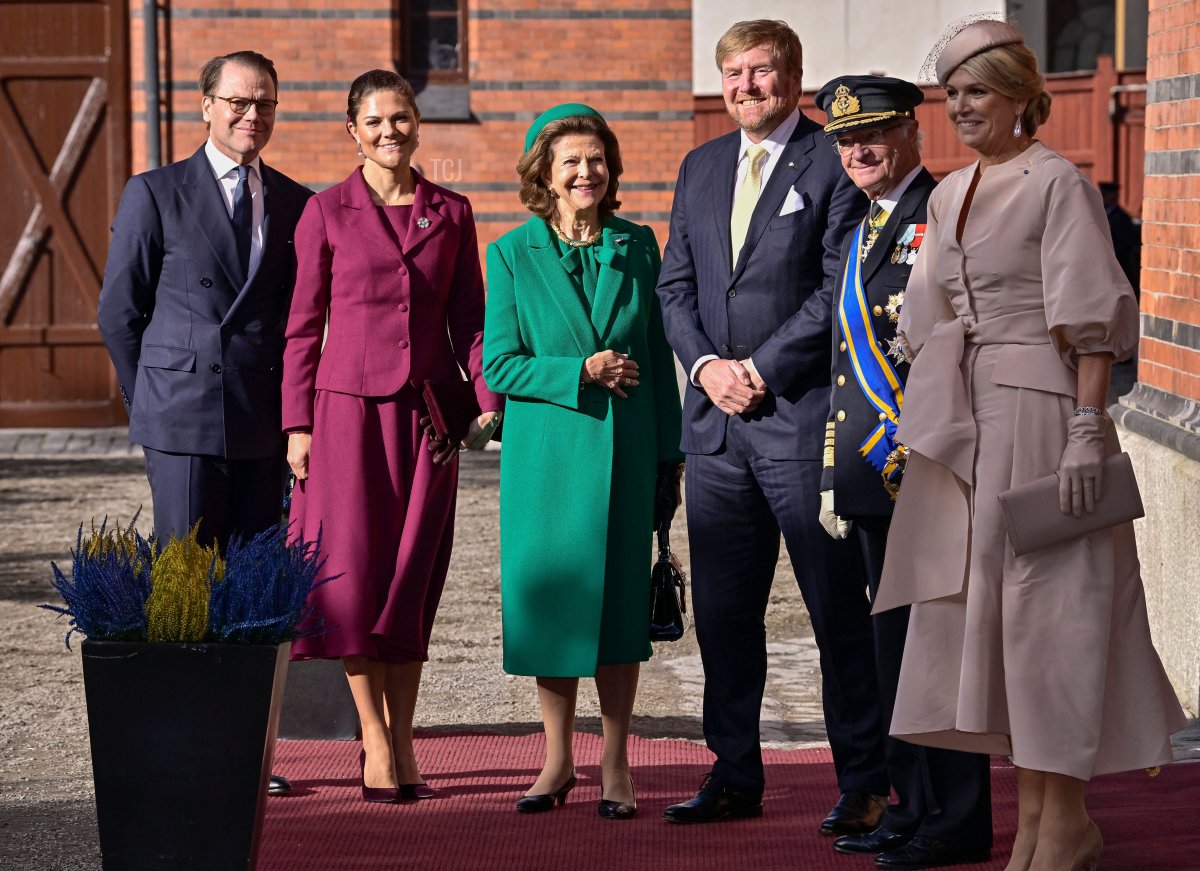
(668, 593)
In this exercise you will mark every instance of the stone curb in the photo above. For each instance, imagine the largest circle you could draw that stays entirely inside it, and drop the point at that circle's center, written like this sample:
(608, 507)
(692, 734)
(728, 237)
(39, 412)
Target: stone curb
(66, 443)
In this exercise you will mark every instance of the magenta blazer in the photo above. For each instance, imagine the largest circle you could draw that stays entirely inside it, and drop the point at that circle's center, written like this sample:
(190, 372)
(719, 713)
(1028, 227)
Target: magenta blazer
(397, 316)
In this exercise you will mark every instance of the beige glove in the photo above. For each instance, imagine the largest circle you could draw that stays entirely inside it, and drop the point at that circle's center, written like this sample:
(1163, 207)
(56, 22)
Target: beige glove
(1081, 469)
(833, 524)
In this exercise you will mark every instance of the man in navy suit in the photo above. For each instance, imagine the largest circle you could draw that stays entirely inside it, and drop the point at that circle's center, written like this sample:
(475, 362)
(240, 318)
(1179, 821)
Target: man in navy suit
(195, 297)
(746, 289)
(194, 302)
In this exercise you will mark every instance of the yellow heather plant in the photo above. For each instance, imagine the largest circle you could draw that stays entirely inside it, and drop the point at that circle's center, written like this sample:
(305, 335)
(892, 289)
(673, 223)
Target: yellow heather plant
(104, 541)
(177, 609)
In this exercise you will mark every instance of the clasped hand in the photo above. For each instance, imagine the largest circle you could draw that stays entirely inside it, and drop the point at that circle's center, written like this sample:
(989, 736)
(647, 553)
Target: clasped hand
(612, 370)
(733, 386)
(1081, 469)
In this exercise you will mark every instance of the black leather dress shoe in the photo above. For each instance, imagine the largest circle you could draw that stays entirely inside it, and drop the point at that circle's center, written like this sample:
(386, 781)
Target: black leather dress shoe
(714, 802)
(856, 813)
(878, 841)
(278, 785)
(925, 852)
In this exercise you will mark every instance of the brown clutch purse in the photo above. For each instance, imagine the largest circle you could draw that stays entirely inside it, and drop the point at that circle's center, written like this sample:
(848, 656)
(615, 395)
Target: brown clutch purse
(1034, 521)
(452, 406)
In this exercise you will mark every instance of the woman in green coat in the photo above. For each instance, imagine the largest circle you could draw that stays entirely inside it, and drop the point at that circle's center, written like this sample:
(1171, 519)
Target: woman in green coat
(573, 335)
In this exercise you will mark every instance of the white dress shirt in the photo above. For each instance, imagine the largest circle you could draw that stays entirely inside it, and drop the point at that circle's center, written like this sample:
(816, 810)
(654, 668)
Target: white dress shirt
(774, 142)
(225, 169)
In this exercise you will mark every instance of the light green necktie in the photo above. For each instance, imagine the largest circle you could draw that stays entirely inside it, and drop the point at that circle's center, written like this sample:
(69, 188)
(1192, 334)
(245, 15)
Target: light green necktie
(745, 200)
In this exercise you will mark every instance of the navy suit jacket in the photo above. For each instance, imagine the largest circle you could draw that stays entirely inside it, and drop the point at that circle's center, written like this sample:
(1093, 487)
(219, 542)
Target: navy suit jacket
(198, 351)
(775, 304)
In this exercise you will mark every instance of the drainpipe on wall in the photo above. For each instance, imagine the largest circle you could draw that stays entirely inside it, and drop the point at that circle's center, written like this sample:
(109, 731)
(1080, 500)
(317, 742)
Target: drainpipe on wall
(150, 84)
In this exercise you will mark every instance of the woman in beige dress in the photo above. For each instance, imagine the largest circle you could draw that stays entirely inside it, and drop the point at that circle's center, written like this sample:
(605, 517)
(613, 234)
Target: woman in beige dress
(1014, 314)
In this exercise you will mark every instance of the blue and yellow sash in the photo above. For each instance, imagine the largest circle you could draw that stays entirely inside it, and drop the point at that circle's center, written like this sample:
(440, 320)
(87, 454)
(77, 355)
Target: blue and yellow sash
(876, 375)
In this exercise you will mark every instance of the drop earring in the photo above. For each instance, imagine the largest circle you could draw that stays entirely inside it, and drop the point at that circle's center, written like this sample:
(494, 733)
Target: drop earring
(360, 154)
(1017, 128)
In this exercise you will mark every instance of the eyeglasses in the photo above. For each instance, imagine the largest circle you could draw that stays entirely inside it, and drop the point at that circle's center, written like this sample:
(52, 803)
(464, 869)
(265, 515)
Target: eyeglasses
(872, 138)
(241, 105)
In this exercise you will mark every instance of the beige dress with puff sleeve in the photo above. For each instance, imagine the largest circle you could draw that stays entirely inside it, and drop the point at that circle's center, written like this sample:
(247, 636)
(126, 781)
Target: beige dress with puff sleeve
(1045, 657)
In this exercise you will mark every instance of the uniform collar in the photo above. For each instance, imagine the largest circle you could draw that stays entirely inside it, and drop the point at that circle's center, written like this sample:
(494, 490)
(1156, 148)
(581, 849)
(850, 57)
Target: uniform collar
(893, 197)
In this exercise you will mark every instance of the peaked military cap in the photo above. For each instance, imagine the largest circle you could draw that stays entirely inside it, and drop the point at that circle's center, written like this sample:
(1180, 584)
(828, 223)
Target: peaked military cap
(852, 102)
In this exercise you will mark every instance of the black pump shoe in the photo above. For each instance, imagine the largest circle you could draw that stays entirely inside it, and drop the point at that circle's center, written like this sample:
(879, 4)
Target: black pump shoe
(617, 810)
(536, 804)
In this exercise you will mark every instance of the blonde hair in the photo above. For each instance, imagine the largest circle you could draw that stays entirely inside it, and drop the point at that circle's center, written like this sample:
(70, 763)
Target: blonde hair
(783, 41)
(1012, 70)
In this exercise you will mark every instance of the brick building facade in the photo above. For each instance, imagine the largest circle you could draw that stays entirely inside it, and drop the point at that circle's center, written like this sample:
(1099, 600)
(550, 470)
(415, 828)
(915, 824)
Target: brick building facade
(631, 59)
(1160, 418)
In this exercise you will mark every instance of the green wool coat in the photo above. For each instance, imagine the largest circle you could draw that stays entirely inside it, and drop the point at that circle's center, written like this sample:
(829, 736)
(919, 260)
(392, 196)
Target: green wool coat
(578, 465)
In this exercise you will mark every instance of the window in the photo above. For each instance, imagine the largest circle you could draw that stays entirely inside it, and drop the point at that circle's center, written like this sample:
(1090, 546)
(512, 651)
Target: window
(1077, 31)
(431, 40)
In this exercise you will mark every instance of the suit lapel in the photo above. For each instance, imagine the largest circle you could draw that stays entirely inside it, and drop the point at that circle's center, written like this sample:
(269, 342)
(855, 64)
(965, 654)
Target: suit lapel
(274, 206)
(201, 194)
(612, 255)
(881, 251)
(721, 186)
(544, 254)
(789, 167)
(427, 219)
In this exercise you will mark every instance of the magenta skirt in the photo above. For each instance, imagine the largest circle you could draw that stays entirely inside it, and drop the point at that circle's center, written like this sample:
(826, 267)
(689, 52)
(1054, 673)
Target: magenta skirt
(385, 512)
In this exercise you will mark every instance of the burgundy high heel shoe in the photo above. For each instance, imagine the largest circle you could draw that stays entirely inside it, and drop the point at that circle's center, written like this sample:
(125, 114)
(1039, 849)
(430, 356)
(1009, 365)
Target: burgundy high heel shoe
(377, 794)
(416, 791)
(536, 804)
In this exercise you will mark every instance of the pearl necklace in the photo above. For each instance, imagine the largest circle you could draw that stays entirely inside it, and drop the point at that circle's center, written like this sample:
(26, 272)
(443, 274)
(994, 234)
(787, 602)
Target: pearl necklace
(576, 243)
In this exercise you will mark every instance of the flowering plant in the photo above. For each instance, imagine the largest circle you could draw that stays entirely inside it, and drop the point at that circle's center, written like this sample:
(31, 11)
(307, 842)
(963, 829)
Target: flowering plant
(124, 587)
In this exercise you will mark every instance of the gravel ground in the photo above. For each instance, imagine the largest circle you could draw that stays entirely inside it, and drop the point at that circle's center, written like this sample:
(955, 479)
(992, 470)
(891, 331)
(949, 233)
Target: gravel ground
(47, 816)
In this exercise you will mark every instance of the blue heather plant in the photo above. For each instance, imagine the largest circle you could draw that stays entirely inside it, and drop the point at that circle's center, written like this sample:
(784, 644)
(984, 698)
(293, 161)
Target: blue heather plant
(106, 595)
(126, 588)
(264, 597)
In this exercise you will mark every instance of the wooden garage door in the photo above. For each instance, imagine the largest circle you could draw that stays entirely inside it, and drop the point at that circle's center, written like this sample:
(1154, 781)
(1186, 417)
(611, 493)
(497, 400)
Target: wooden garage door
(64, 158)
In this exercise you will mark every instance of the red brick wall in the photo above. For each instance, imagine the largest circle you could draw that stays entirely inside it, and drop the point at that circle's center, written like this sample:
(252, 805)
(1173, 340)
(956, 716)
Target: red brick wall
(630, 59)
(1170, 349)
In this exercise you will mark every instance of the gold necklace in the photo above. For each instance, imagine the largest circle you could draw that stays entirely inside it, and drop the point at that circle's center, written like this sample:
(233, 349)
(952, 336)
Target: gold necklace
(576, 243)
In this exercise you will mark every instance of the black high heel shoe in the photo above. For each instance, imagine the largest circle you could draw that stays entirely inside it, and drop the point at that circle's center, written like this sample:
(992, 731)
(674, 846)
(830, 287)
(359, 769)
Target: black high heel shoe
(536, 804)
(377, 794)
(617, 810)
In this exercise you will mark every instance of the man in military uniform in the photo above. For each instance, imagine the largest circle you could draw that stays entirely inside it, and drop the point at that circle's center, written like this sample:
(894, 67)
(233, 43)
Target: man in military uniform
(943, 816)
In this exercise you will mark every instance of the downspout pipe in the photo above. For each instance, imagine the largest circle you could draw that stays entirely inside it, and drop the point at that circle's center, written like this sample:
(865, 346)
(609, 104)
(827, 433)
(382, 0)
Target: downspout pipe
(150, 84)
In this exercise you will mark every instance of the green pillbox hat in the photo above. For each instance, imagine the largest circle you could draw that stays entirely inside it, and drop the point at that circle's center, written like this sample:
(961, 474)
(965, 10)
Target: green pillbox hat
(563, 110)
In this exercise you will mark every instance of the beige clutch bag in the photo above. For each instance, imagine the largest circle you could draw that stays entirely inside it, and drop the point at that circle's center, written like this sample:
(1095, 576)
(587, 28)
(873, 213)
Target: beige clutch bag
(1034, 521)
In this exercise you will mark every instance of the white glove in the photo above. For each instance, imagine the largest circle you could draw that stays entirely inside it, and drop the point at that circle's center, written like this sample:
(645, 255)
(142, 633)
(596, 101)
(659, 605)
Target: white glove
(833, 524)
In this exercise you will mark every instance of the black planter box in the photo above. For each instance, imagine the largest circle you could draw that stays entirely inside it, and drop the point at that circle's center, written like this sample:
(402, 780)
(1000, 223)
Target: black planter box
(182, 741)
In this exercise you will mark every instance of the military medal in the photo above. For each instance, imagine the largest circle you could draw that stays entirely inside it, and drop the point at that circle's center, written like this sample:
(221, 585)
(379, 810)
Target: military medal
(895, 301)
(895, 350)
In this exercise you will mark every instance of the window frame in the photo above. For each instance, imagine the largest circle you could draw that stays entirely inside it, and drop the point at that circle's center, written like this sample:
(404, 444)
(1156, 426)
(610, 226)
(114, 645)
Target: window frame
(402, 30)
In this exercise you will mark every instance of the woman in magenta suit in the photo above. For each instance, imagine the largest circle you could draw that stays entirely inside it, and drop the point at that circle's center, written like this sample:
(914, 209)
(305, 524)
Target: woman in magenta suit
(388, 294)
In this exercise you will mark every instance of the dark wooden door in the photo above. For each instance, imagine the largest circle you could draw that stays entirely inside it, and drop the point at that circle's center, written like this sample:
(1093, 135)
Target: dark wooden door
(64, 159)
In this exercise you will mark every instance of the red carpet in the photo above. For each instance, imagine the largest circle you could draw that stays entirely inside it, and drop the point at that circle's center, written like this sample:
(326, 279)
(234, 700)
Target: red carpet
(324, 826)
